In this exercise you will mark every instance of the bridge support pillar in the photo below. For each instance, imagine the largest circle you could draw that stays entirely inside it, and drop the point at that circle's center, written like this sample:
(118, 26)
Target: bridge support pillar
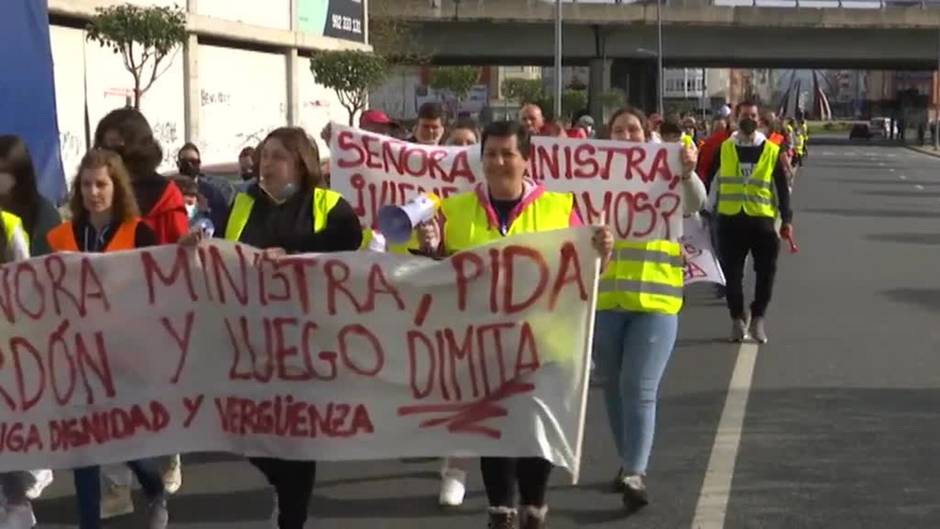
(598, 85)
(637, 79)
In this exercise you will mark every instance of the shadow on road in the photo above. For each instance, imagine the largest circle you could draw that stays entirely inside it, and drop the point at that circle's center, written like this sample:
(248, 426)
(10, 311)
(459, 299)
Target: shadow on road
(878, 213)
(927, 239)
(900, 194)
(889, 182)
(925, 298)
(838, 458)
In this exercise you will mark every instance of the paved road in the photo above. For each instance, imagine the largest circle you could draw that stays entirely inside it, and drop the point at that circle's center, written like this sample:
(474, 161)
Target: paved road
(842, 421)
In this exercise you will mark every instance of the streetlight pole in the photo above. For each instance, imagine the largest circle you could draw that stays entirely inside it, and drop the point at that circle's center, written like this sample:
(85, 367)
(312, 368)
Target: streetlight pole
(659, 56)
(558, 53)
(936, 125)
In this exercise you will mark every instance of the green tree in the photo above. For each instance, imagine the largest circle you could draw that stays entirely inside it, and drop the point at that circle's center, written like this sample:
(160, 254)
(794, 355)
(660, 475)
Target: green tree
(351, 73)
(612, 100)
(572, 101)
(459, 80)
(523, 90)
(392, 37)
(142, 36)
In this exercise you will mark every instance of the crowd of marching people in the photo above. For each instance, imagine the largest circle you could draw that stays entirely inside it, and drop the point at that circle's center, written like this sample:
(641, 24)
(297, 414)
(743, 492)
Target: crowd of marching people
(739, 173)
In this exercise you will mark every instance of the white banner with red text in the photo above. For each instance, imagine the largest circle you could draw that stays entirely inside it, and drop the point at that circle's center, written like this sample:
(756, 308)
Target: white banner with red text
(701, 261)
(633, 187)
(111, 357)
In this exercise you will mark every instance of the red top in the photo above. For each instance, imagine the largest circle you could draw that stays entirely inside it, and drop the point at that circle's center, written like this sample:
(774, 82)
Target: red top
(167, 218)
(706, 155)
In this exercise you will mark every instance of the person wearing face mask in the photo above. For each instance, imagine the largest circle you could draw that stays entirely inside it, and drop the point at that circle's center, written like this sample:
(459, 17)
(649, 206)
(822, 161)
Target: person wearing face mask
(105, 218)
(752, 192)
(218, 192)
(507, 204)
(639, 299)
(290, 212)
(20, 196)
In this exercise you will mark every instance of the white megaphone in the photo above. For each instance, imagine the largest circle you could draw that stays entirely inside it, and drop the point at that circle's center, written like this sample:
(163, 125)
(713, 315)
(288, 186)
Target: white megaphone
(397, 222)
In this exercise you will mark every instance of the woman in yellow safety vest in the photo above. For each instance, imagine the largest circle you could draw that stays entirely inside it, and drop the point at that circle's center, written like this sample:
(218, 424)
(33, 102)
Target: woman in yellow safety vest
(15, 486)
(454, 471)
(507, 204)
(288, 212)
(639, 298)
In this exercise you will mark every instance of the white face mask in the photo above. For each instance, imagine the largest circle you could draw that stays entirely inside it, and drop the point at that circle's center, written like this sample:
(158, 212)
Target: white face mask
(7, 182)
(191, 210)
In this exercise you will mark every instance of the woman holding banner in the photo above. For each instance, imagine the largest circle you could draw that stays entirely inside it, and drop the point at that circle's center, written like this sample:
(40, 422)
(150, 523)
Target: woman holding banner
(507, 204)
(105, 218)
(17, 488)
(288, 211)
(639, 299)
(454, 472)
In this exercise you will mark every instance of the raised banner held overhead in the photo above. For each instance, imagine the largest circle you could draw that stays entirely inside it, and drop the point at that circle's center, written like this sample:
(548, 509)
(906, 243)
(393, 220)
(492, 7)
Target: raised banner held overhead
(112, 357)
(633, 187)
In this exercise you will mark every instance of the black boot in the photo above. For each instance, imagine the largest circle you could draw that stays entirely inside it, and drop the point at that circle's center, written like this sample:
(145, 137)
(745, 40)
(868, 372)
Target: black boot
(634, 493)
(532, 517)
(502, 518)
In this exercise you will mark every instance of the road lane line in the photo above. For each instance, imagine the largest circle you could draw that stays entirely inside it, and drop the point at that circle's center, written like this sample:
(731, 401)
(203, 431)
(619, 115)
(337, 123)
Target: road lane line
(919, 187)
(713, 499)
(902, 177)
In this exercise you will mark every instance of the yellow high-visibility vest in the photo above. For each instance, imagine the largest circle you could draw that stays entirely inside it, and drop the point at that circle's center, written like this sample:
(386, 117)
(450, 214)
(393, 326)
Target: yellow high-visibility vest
(324, 201)
(467, 224)
(643, 277)
(753, 193)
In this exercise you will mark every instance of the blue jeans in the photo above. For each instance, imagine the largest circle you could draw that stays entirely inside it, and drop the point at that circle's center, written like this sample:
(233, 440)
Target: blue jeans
(88, 489)
(631, 350)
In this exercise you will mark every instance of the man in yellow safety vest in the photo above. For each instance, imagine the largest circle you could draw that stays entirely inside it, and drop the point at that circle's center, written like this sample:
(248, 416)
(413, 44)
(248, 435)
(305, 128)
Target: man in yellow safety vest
(752, 193)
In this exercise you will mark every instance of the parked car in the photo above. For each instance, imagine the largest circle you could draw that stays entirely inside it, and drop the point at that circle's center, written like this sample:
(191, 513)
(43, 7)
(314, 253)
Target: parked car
(880, 127)
(860, 131)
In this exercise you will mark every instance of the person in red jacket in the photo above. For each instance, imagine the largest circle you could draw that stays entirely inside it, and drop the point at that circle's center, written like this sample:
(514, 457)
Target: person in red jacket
(127, 132)
(706, 154)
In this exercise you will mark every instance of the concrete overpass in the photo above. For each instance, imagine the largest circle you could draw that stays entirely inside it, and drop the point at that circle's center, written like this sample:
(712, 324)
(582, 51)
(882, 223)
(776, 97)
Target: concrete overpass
(616, 39)
(697, 33)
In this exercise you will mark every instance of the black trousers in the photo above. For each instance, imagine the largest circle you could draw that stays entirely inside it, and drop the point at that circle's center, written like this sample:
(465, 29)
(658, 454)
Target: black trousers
(502, 474)
(738, 236)
(293, 483)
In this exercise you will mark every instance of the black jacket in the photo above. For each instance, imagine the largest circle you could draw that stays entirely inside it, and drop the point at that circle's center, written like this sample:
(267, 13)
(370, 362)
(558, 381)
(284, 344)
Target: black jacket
(290, 225)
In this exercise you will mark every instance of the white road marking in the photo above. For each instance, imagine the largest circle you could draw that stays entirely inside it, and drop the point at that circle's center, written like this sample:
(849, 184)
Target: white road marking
(902, 177)
(716, 490)
(919, 187)
(828, 153)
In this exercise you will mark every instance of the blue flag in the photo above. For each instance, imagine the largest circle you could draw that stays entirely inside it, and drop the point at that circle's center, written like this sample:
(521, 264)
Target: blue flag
(27, 90)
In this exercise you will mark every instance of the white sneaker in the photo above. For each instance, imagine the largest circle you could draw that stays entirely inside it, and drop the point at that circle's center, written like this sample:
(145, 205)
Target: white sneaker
(17, 516)
(41, 480)
(173, 475)
(453, 487)
(116, 501)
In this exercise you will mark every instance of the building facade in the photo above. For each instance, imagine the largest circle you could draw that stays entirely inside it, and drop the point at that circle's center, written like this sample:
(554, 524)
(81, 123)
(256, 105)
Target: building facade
(242, 72)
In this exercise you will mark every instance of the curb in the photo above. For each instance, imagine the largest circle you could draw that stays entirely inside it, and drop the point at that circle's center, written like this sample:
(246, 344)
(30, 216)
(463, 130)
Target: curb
(931, 152)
